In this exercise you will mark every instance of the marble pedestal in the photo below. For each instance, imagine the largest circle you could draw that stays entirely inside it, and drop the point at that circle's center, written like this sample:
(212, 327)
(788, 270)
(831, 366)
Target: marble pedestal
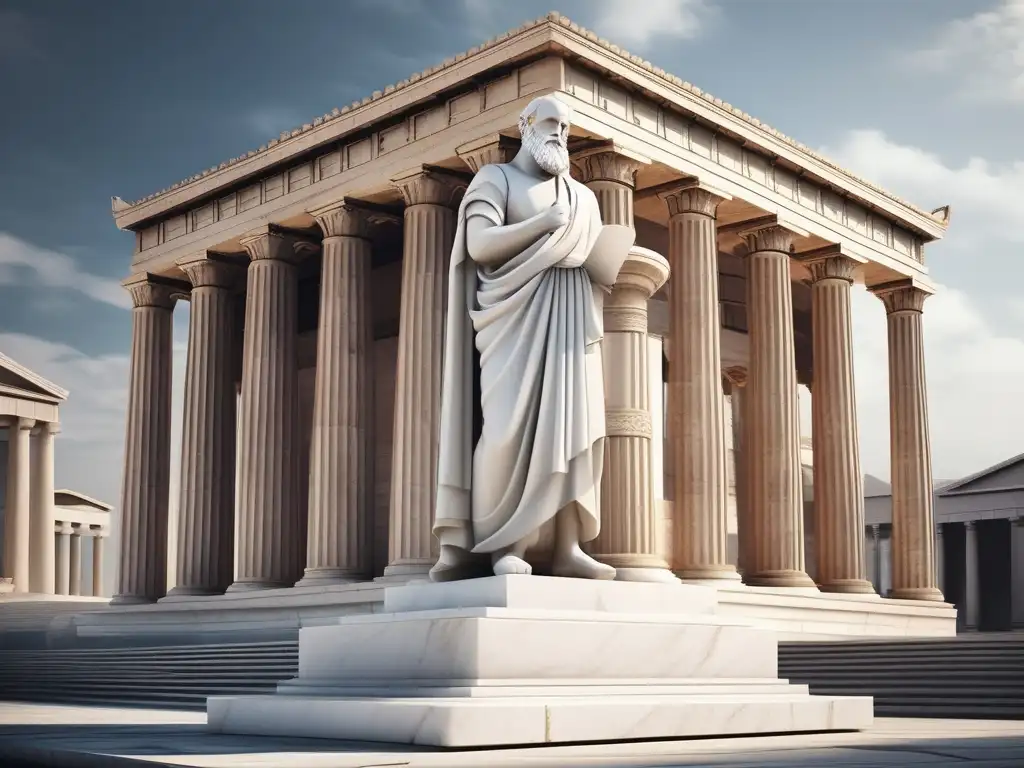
(534, 660)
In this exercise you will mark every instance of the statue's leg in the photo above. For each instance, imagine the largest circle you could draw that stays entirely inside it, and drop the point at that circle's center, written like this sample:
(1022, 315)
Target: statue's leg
(570, 559)
(451, 564)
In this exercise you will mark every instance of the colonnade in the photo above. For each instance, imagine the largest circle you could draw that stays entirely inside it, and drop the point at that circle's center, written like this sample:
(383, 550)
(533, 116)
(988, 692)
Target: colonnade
(28, 556)
(69, 571)
(279, 543)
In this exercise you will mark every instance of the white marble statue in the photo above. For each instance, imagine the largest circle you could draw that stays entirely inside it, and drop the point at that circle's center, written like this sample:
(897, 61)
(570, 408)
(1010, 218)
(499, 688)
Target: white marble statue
(529, 269)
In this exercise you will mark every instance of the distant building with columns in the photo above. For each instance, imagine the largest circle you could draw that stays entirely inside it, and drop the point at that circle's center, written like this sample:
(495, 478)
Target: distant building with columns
(42, 529)
(316, 269)
(979, 525)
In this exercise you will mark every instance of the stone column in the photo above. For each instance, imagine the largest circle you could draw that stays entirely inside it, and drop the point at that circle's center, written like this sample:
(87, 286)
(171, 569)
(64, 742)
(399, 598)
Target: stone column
(773, 420)
(41, 547)
(206, 505)
(629, 538)
(611, 176)
(97, 560)
(341, 459)
(913, 555)
(696, 406)
(972, 591)
(876, 558)
(142, 565)
(429, 223)
(940, 558)
(838, 482)
(17, 508)
(75, 561)
(1017, 572)
(271, 526)
(737, 378)
(63, 566)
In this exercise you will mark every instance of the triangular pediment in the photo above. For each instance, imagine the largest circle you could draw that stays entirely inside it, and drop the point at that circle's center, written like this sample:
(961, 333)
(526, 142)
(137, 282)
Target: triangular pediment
(1006, 474)
(18, 381)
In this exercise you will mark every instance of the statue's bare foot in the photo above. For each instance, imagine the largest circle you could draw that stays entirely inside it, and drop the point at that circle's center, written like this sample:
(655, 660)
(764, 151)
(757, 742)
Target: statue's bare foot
(577, 564)
(508, 564)
(450, 563)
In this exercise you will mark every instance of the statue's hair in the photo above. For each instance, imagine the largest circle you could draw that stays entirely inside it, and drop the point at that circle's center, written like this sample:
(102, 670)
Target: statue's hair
(529, 112)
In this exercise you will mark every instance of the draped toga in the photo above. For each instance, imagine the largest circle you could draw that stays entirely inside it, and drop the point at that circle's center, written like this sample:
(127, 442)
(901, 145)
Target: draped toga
(536, 323)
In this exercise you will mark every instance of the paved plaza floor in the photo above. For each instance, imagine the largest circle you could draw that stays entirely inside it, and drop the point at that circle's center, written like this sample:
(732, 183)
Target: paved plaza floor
(43, 735)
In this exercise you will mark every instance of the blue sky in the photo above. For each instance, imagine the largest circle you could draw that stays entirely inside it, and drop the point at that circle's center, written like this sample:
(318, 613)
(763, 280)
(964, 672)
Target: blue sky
(925, 97)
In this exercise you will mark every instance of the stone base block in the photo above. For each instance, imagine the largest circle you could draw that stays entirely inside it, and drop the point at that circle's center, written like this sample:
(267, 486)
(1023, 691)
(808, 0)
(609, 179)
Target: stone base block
(542, 719)
(533, 660)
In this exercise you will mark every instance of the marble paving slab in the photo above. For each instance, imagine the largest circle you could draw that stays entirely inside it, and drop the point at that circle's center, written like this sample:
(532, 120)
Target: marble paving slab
(84, 737)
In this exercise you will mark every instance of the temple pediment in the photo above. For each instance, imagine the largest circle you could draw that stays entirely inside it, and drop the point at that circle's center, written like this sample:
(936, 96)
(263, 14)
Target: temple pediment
(19, 382)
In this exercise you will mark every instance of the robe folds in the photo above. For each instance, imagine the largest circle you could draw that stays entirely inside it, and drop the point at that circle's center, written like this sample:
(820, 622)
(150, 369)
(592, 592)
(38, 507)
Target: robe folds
(536, 322)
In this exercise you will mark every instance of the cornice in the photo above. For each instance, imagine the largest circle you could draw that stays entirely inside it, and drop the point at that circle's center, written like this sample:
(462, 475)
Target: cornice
(554, 29)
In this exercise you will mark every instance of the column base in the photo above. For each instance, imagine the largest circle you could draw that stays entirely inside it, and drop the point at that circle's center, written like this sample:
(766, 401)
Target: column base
(126, 599)
(708, 574)
(848, 587)
(647, 575)
(322, 577)
(183, 590)
(256, 585)
(785, 578)
(917, 593)
(406, 570)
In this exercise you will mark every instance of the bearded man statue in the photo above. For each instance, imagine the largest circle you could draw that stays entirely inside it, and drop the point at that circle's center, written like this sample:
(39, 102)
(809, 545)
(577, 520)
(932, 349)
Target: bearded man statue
(529, 270)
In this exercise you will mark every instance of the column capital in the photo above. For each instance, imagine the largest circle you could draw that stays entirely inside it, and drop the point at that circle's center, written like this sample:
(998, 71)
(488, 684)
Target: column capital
(270, 243)
(20, 422)
(771, 237)
(829, 264)
(149, 290)
(691, 196)
(489, 150)
(344, 219)
(643, 270)
(214, 270)
(428, 185)
(970, 524)
(901, 296)
(48, 428)
(608, 162)
(61, 526)
(737, 375)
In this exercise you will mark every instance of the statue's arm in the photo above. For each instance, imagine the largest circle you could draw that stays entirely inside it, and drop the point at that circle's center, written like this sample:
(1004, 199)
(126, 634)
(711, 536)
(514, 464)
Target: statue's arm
(489, 240)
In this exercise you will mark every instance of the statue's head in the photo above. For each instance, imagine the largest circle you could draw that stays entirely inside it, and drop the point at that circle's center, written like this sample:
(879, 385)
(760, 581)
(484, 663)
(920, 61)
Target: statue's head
(544, 126)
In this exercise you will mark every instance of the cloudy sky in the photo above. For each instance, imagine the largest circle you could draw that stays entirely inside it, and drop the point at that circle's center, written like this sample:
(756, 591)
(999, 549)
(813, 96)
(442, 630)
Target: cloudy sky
(118, 97)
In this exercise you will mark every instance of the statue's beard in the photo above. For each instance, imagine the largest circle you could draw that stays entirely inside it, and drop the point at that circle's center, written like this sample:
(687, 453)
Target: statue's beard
(551, 156)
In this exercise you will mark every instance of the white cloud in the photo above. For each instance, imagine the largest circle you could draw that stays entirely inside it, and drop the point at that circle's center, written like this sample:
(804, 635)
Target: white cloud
(974, 363)
(19, 259)
(637, 24)
(984, 52)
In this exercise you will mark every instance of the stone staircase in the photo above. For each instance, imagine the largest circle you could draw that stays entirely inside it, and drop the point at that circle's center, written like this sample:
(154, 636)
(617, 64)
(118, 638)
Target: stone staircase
(26, 619)
(969, 676)
(170, 677)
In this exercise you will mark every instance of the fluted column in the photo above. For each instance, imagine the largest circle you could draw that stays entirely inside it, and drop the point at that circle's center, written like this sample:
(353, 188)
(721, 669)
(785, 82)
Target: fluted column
(940, 558)
(773, 426)
(97, 561)
(838, 482)
(629, 538)
(62, 572)
(341, 459)
(41, 545)
(910, 453)
(75, 561)
(611, 176)
(17, 508)
(972, 579)
(737, 378)
(206, 506)
(429, 224)
(271, 526)
(696, 406)
(142, 565)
